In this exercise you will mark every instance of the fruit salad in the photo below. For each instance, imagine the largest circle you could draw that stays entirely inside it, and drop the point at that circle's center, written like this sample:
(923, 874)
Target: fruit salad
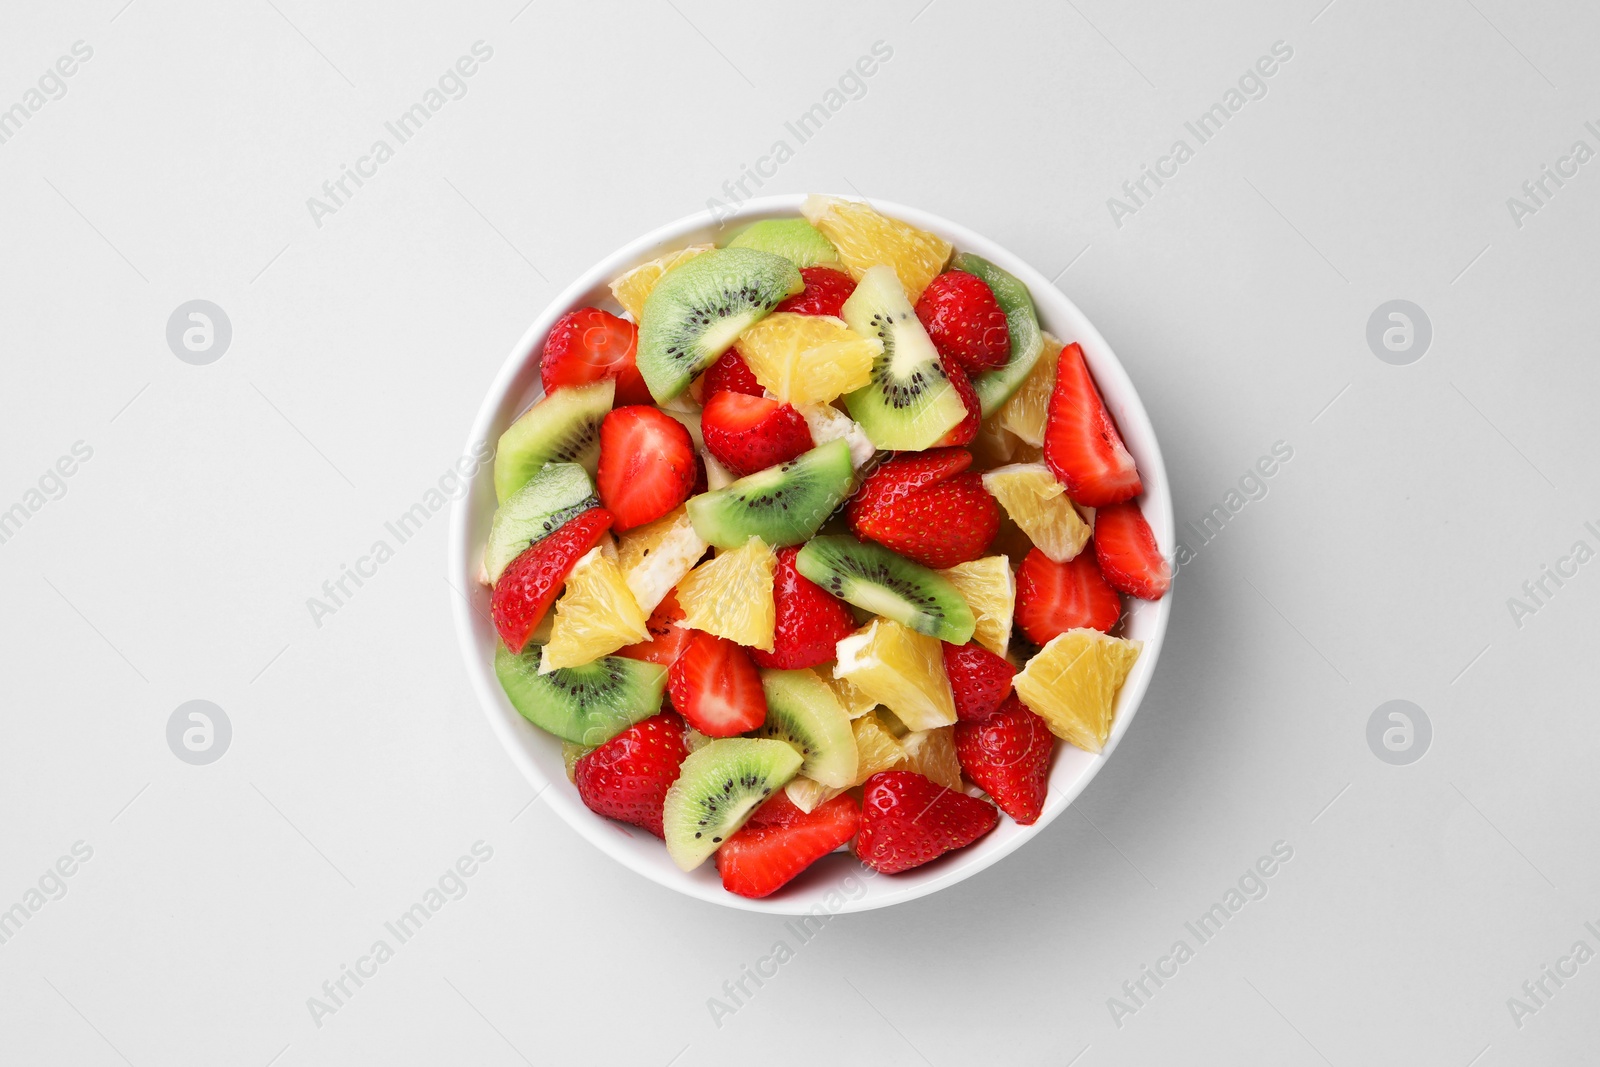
(822, 543)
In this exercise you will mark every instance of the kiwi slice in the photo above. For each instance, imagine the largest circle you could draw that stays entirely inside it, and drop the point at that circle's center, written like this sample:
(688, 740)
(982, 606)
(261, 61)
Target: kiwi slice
(718, 786)
(909, 404)
(782, 505)
(997, 386)
(697, 310)
(794, 239)
(564, 427)
(802, 710)
(534, 512)
(587, 705)
(885, 583)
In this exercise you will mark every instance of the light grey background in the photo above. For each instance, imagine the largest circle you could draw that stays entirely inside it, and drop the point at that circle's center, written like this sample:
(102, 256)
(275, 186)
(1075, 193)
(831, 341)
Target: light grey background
(178, 563)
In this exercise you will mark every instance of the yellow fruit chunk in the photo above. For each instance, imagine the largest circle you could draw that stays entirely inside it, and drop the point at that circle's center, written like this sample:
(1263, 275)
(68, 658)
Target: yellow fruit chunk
(656, 556)
(807, 793)
(631, 288)
(1024, 413)
(854, 702)
(807, 359)
(932, 754)
(595, 616)
(1072, 684)
(1039, 505)
(876, 747)
(990, 590)
(865, 239)
(899, 668)
(731, 595)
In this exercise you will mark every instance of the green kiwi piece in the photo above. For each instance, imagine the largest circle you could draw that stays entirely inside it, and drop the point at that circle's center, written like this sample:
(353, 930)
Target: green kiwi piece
(563, 427)
(698, 309)
(794, 239)
(718, 786)
(885, 583)
(551, 497)
(587, 705)
(909, 403)
(803, 710)
(782, 505)
(996, 386)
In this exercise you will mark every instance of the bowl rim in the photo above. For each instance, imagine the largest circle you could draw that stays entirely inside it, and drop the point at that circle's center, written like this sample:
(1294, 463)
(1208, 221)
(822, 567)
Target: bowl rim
(598, 831)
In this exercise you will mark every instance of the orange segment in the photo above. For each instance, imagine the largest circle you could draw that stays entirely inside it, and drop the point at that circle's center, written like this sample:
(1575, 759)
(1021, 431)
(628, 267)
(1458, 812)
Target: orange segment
(865, 239)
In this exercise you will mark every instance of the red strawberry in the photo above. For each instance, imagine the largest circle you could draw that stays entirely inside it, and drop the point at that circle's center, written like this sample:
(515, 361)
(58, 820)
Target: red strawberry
(730, 374)
(666, 637)
(1081, 443)
(1053, 598)
(589, 344)
(825, 293)
(627, 777)
(809, 621)
(751, 433)
(919, 505)
(646, 465)
(1128, 554)
(980, 680)
(532, 581)
(716, 687)
(964, 431)
(965, 322)
(1008, 756)
(765, 855)
(906, 820)
(906, 474)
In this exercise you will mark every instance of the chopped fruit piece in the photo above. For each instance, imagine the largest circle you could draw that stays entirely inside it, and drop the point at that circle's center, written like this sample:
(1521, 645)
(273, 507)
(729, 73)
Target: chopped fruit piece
(805, 795)
(932, 754)
(632, 288)
(919, 507)
(589, 344)
(1008, 756)
(1073, 681)
(1040, 505)
(900, 477)
(595, 616)
(564, 427)
(751, 433)
(667, 638)
(965, 323)
(828, 423)
(1024, 414)
(627, 778)
(759, 860)
(716, 687)
(552, 496)
(979, 680)
(1081, 443)
(586, 705)
(1053, 598)
(718, 786)
(731, 595)
(717, 476)
(657, 555)
(994, 445)
(901, 669)
(807, 359)
(966, 430)
(877, 748)
(854, 702)
(906, 820)
(694, 740)
(990, 590)
(1127, 552)
(808, 623)
(532, 582)
(802, 710)
(865, 239)
(878, 581)
(729, 374)
(794, 239)
(646, 465)
(782, 505)
(995, 387)
(825, 293)
(570, 755)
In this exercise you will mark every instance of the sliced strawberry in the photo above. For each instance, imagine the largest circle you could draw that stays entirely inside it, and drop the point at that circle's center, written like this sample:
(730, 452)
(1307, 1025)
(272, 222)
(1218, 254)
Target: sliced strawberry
(627, 777)
(964, 431)
(1128, 554)
(647, 465)
(907, 820)
(716, 687)
(1081, 443)
(751, 433)
(532, 581)
(964, 321)
(979, 679)
(776, 810)
(763, 857)
(1053, 598)
(907, 507)
(905, 474)
(587, 345)
(1008, 756)
(667, 638)
(825, 293)
(730, 374)
(809, 622)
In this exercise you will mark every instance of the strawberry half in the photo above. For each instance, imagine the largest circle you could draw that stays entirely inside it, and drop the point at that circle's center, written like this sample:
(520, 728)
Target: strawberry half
(780, 841)
(647, 465)
(906, 820)
(905, 474)
(825, 293)
(730, 374)
(979, 679)
(964, 321)
(1053, 598)
(809, 622)
(922, 506)
(587, 345)
(1127, 552)
(1008, 756)
(1081, 444)
(964, 431)
(751, 433)
(627, 777)
(716, 687)
(667, 639)
(532, 581)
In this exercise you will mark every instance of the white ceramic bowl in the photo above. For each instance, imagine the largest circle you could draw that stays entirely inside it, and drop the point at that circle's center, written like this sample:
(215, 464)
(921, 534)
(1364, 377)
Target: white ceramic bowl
(828, 885)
